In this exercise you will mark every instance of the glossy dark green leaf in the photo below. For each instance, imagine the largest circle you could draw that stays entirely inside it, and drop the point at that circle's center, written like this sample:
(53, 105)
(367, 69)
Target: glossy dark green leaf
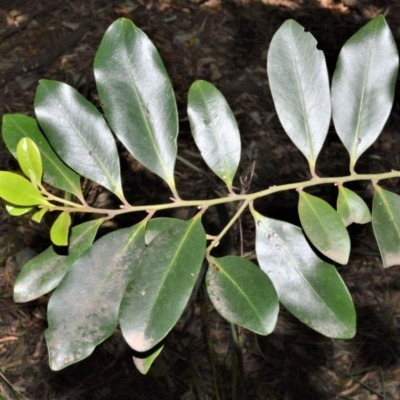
(56, 173)
(363, 86)
(214, 129)
(158, 225)
(352, 208)
(161, 284)
(137, 97)
(29, 159)
(298, 78)
(78, 133)
(386, 225)
(324, 227)
(19, 191)
(308, 287)
(59, 231)
(17, 210)
(83, 310)
(143, 364)
(242, 293)
(44, 272)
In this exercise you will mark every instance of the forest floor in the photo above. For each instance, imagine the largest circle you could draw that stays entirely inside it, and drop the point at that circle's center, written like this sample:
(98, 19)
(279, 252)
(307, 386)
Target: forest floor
(225, 42)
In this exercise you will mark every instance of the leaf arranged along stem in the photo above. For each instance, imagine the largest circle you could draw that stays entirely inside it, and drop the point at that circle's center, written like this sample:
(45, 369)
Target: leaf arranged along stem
(29, 159)
(363, 86)
(60, 229)
(308, 287)
(19, 191)
(83, 310)
(137, 97)
(324, 227)
(351, 207)
(214, 129)
(298, 78)
(79, 134)
(55, 172)
(44, 272)
(386, 225)
(242, 293)
(161, 284)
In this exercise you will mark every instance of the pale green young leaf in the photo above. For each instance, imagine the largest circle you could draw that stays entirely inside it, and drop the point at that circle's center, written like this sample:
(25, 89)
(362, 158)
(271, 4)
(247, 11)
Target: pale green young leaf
(214, 129)
(55, 172)
(60, 229)
(19, 191)
(242, 293)
(44, 272)
(161, 284)
(137, 97)
(324, 227)
(17, 210)
(299, 83)
(143, 364)
(38, 215)
(78, 133)
(386, 225)
(352, 208)
(29, 159)
(363, 86)
(308, 287)
(83, 310)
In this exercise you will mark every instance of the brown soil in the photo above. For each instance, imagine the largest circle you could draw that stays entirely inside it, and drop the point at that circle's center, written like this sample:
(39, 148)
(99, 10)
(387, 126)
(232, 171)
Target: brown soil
(224, 42)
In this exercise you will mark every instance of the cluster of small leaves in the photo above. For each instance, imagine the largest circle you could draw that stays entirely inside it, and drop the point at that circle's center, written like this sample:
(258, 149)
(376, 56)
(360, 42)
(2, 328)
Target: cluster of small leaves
(141, 277)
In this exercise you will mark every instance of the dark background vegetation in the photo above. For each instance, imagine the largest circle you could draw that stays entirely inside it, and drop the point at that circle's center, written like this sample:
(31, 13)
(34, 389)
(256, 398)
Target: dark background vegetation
(225, 42)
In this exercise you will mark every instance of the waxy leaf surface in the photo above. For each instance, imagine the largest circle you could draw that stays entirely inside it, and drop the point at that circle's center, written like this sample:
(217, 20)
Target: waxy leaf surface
(83, 310)
(161, 284)
(242, 293)
(386, 225)
(298, 78)
(137, 97)
(55, 172)
(17, 210)
(78, 133)
(324, 227)
(308, 287)
(19, 191)
(29, 159)
(60, 229)
(44, 272)
(214, 129)
(352, 208)
(363, 86)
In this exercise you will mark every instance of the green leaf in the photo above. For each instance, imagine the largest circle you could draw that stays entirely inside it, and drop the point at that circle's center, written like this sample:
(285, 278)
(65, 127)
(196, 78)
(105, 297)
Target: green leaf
(298, 78)
(37, 216)
(363, 86)
(83, 310)
(214, 129)
(161, 284)
(19, 191)
(16, 210)
(56, 173)
(60, 229)
(386, 225)
(78, 133)
(352, 208)
(324, 228)
(44, 272)
(309, 288)
(144, 364)
(158, 225)
(137, 97)
(29, 159)
(242, 293)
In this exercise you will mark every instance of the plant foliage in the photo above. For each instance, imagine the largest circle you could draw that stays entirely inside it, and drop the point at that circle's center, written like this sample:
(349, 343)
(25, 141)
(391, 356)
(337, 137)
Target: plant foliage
(141, 277)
